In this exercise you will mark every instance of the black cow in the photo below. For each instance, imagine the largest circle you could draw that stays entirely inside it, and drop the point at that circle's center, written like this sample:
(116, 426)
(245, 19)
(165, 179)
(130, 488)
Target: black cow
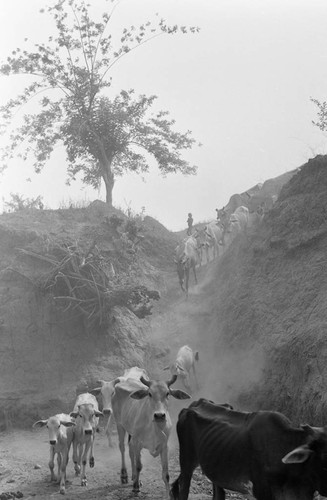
(257, 453)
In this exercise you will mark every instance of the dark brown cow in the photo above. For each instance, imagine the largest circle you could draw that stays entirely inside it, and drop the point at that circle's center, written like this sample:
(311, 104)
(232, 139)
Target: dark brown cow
(257, 453)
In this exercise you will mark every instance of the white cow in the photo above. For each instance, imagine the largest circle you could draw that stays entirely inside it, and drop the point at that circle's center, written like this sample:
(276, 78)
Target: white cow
(215, 235)
(141, 409)
(238, 222)
(187, 258)
(85, 413)
(60, 429)
(184, 363)
(107, 389)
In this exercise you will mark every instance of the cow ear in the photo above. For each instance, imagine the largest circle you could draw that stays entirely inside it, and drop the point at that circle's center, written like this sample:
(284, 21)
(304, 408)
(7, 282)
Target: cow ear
(67, 424)
(95, 391)
(178, 394)
(297, 456)
(40, 423)
(98, 413)
(73, 414)
(140, 394)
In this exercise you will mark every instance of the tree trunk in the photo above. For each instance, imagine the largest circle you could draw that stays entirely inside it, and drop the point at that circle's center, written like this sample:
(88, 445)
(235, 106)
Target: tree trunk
(109, 182)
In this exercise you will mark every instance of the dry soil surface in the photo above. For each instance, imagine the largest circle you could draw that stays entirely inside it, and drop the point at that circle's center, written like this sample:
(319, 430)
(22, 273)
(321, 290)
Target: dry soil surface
(23, 468)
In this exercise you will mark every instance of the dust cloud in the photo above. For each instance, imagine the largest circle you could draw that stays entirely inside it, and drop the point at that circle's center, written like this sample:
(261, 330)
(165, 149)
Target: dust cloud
(224, 372)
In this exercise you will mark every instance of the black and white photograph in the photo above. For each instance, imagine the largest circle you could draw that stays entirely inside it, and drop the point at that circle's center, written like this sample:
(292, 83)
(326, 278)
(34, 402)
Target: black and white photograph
(163, 249)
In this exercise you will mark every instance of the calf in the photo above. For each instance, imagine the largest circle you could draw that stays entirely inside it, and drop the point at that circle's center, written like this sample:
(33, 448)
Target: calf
(182, 366)
(257, 453)
(141, 409)
(85, 413)
(60, 429)
(106, 390)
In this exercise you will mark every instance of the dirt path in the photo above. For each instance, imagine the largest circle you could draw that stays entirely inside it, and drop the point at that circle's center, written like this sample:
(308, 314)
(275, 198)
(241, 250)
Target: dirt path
(176, 321)
(23, 450)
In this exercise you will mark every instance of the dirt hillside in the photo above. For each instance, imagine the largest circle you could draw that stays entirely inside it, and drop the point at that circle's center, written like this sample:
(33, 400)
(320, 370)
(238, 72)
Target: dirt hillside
(48, 353)
(269, 305)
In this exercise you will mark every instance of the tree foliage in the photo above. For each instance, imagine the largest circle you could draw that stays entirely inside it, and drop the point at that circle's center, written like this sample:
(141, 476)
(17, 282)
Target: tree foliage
(322, 114)
(104, 136)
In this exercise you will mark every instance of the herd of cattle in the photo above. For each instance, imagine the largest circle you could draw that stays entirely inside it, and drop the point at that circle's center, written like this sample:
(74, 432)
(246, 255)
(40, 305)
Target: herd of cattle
(196, 249)
(139, 407)
(259, 454)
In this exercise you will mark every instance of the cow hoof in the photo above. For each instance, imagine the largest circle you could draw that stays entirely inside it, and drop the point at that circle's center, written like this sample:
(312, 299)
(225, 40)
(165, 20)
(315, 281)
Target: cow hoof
(91, 462)
(83, 482)
(124, 476)
(62, 491)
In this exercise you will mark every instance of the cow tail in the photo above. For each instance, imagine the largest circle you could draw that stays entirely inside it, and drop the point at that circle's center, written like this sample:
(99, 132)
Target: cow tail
(196, 356)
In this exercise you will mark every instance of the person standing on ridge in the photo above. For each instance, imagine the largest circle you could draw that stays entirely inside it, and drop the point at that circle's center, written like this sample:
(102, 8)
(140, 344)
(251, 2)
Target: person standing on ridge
(189, 224)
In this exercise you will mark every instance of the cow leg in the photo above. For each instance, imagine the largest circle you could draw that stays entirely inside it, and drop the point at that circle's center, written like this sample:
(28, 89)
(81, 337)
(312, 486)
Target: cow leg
(184, 482)
(164, 466)
(77, 466)
(59, 457)
(108, 432)
(80, 453)
(51, 464)
(218, 493)
(64, 462)
(121, 438)
(87, 447)
(132, 458)
(135, 452)
(181, 487)
(188, 462)
(91, 460)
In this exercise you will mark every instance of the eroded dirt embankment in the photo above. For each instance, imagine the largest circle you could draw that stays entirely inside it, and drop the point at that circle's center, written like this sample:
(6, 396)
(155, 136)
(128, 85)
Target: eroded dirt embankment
(270, 303)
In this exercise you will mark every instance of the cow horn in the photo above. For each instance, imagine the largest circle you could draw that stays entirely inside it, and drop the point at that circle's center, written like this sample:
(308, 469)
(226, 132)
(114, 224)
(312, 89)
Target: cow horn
(172, 380)
(144, 381)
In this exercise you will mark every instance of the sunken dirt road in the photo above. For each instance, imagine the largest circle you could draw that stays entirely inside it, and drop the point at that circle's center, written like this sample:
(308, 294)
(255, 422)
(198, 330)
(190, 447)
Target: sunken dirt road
(25, 454)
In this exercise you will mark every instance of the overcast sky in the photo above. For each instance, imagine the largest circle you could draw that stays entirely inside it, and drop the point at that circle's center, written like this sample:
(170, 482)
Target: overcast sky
(242, 86)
